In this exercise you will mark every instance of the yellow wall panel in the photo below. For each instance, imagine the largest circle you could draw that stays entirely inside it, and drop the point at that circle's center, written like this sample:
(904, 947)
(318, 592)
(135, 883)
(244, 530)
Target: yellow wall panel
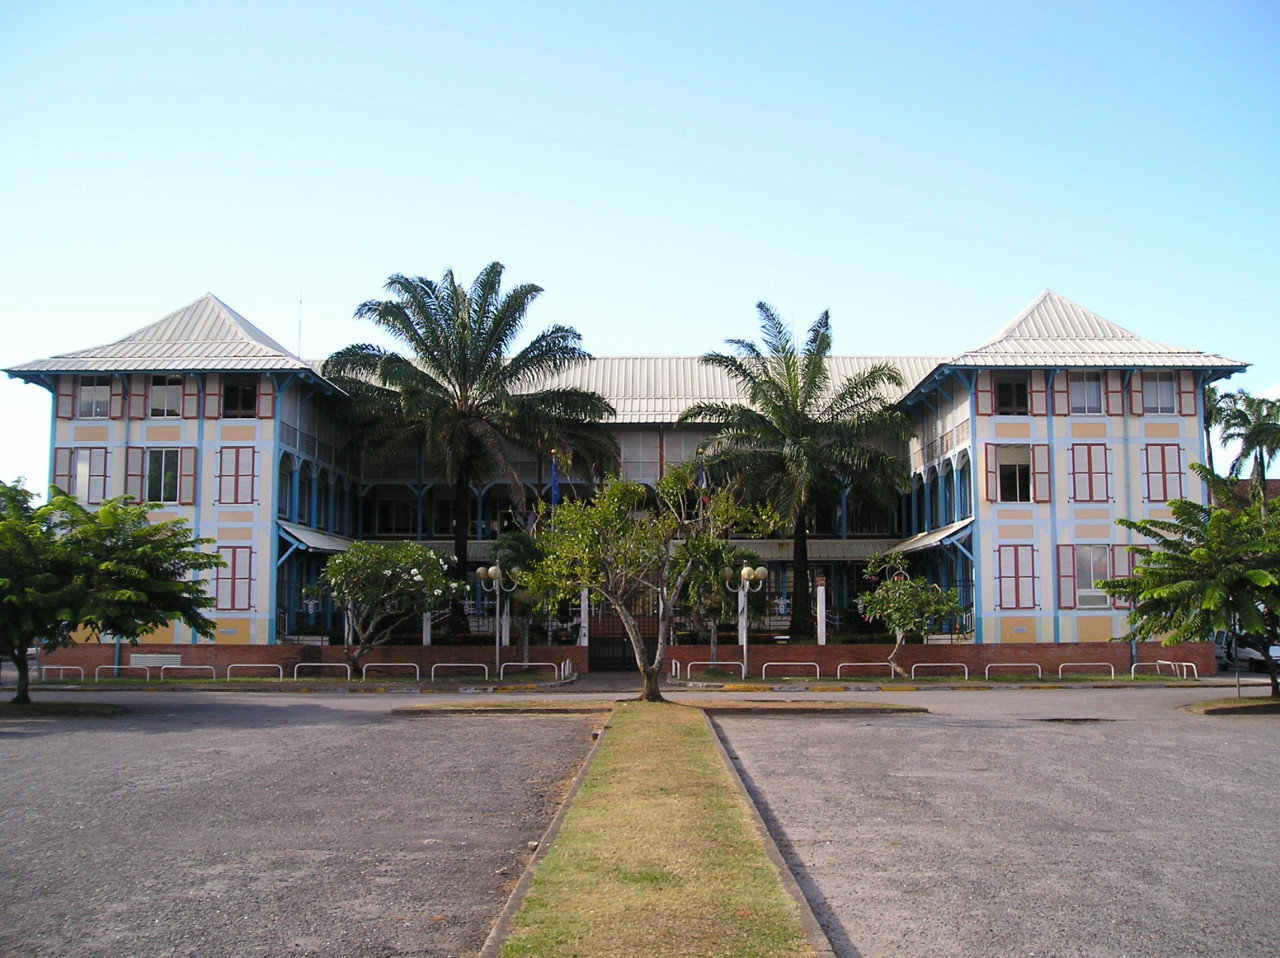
(1018, 628)
(1094, 628)
(1089, 430)
(1013, 430)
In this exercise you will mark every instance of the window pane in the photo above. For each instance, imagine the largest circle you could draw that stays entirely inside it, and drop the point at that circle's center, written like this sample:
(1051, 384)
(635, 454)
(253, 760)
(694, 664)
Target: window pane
(1091, 565)
(1086, 393)
(166, 396)
(95, 397)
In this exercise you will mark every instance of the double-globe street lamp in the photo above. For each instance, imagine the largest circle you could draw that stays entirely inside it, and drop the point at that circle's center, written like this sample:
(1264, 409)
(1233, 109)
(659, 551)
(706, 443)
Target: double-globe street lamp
(494, 579)
(747, 580)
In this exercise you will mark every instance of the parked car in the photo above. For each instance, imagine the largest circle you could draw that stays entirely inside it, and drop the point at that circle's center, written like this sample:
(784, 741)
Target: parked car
(1231, 653)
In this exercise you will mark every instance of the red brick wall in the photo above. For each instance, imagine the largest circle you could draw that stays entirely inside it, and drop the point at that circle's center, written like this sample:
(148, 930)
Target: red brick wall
(1049, 656)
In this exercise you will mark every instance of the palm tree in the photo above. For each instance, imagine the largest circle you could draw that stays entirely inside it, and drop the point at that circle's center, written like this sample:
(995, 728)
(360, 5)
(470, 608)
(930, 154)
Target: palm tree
(1214, 407)
(1207, 569)
(459, 394)
(798, 437)
(1255, 423)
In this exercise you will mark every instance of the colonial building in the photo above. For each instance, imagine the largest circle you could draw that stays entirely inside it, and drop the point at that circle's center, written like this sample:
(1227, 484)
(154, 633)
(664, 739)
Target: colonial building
(1027, 449)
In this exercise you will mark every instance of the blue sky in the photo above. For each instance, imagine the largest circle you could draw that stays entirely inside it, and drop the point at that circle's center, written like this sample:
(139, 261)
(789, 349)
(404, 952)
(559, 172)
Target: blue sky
(923, 170)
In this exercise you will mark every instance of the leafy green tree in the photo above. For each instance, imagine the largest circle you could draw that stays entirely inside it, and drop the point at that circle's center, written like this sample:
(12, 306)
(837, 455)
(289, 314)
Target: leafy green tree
(39, 597)
(462, 394)
(1253, 422)
(110, 571)
(136, 575)
(799, 438)
(1208, 568)
(904, 604)
(380, 586)
(629, 547)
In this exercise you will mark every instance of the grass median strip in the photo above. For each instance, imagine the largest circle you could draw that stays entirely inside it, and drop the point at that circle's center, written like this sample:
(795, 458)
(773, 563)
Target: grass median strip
(658, 855)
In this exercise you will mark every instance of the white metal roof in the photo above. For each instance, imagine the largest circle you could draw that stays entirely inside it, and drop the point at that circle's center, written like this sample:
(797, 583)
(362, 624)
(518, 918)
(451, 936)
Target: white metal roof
(1055, 332)
(657, 389)
(204, 335)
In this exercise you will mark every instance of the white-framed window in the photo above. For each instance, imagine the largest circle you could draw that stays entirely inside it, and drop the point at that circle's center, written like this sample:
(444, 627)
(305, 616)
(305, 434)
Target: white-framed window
(165, 399)
(1160, 393)
(93, 397)
(1091, 565)
(1086, 393)
(1080, 567)
(162, 475)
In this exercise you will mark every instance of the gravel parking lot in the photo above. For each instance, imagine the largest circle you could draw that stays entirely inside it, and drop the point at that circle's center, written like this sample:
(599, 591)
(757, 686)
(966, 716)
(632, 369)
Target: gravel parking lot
(994, 827)
(236, 825)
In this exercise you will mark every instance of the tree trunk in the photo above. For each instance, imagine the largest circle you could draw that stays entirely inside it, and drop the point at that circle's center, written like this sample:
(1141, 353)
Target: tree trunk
(457, 621)
(893, 657)
(19, 659)
(650, 691)
(801, 600)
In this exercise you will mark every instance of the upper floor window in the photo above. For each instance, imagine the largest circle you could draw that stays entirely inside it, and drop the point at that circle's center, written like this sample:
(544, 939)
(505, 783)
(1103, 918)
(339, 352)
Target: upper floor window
(239, 397)
(162, 475)
(166, 397)
(1160, 393)
(1011, 394)
(94, 397)
(1014, 466)
(1086, 393)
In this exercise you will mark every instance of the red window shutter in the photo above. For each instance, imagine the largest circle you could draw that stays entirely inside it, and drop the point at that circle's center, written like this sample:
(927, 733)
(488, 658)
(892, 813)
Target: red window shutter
(1121, 568)
(187, 475)
(212, 395)
(1061, 393)
(1173, 472)
(1187, 393)
(137, 396)
(190, 398)
(1114, 384)
(993, 473)
(135, 458)
(266, 398)
(985, 393)
(1041, 480)
(62, 466)
(1066, 577)
(66, 402)
(1137, 406)
(1101, 474)
(1038, 394)
(117, 397)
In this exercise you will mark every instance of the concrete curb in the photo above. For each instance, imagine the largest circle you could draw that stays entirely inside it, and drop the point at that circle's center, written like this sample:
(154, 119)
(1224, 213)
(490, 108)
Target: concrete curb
(502, 926)
(808, 920)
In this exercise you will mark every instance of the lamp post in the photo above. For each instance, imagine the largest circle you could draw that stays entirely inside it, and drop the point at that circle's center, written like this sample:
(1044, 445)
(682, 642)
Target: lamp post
(491, 580)
(748, 580)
